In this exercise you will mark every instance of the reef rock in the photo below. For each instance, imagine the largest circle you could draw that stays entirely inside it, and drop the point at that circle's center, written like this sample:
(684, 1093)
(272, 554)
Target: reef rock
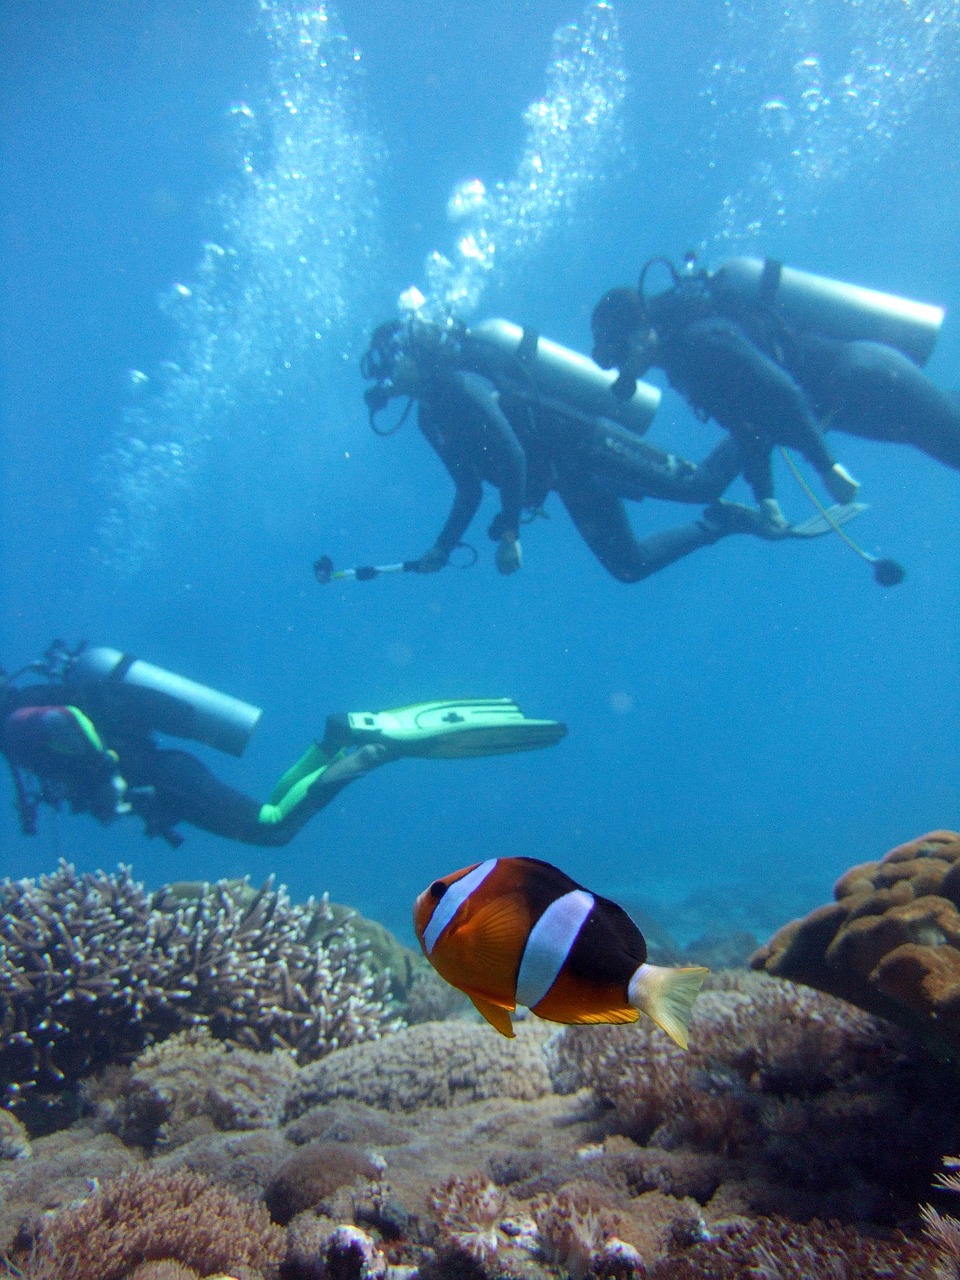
(890, 942)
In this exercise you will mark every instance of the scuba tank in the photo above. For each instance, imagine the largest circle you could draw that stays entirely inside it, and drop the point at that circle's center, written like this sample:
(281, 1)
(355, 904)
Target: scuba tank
(830, 307)
(182, 708)
(561, 377)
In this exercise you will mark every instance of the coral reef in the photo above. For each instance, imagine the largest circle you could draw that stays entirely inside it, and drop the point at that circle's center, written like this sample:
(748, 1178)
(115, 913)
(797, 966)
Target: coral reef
(434, 1064)
(796, 1137)
(313, 1172)
(579, 1236)
(792, 1251)
(189, 1084)
(799, 1091)
(146, 1217)
(92, 968)
(890, 942)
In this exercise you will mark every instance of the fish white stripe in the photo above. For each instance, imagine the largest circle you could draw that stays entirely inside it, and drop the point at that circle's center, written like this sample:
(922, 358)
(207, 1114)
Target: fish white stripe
(549, 945)
(452, 900)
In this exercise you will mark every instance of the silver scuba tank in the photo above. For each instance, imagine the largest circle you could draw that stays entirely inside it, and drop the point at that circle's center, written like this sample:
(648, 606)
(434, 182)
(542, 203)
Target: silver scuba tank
(185, 709)
(831, 307)
(564, 376)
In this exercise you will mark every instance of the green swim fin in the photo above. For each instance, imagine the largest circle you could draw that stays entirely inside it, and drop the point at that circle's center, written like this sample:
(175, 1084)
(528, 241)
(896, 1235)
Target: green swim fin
(452, 729)
(817, 526)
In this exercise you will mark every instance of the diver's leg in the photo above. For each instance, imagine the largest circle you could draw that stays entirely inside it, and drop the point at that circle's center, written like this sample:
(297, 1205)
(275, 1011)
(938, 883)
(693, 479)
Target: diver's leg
(879, 394)
(619, 462)
(185, 790)
(602, 522)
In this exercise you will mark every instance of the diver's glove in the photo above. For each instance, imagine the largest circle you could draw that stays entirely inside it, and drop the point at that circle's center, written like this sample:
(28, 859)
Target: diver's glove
(108, 795)
(509, 555)
(432, 561)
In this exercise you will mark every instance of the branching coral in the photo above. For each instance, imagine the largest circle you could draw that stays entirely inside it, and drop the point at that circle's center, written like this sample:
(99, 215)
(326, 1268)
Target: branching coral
(143, 1217)
(92, 968)
(801, 1089)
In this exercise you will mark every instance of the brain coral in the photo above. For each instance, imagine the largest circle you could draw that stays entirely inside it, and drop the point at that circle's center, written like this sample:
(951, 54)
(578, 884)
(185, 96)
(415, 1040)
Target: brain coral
(93, 968)
(890, 942)
(434, 1064)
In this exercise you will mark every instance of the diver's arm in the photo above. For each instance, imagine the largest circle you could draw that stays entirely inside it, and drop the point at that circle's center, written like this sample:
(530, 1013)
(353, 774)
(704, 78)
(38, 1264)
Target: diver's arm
(509, 459)
(466, 479)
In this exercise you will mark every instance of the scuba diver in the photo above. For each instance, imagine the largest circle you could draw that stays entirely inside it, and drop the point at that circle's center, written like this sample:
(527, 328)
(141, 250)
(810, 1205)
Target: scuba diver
(853, 354)
(489, 421)
(726, 363)
(83, 734)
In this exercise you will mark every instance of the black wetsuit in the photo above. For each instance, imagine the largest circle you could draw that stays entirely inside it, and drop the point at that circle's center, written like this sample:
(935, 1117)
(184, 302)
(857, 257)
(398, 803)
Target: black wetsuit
(526, 450)
(718, 364)
(874, 391)
(165, 785)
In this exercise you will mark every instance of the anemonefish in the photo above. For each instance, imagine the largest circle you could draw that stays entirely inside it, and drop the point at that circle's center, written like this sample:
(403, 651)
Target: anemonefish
(518, 931)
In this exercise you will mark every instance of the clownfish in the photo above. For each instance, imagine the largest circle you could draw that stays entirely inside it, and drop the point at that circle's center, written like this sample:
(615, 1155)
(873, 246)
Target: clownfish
(518, 931)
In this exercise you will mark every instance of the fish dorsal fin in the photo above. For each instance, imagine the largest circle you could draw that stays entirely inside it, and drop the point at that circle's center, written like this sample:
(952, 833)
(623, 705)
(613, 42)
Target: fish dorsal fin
(495, 1015)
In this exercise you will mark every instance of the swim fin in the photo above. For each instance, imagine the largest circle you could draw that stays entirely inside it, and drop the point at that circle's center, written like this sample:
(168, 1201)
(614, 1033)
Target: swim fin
(451, 729)
(817, 526)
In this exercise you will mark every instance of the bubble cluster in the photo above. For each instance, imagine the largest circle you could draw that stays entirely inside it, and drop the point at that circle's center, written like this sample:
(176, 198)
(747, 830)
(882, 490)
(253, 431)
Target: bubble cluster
(297, 233)
(572, 134)
(815, 90)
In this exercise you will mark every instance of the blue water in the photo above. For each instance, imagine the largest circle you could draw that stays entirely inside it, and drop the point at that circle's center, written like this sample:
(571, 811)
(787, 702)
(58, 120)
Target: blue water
(743, 726)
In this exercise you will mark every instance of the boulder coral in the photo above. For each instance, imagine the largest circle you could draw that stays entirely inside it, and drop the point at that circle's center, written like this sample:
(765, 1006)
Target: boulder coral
(434, 1064)
(889, 942)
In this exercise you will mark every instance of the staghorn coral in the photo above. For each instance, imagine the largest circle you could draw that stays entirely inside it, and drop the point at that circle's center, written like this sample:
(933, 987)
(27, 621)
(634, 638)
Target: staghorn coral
(434, 1064)
(799, 1090)
(890, 942)
(92, 968)
(772, 1249)
(145, 1216)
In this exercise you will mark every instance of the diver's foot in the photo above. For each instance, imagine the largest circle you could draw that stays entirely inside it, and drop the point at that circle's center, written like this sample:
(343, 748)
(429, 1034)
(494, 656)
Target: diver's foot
(359, 762)
(765, 521)
(840, 484)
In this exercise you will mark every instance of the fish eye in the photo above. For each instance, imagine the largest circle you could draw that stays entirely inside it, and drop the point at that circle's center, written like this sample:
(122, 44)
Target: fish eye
(437, 890)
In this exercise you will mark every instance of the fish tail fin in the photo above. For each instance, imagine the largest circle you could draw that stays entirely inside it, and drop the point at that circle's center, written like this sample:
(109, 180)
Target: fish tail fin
(667, 996)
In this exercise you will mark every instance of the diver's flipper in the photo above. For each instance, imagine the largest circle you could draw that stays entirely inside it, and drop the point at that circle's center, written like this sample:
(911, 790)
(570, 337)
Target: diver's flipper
(473, 727)
(817, 526)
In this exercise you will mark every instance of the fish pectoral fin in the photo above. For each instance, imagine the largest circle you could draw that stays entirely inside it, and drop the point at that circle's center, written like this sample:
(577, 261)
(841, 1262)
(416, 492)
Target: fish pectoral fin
(495, 1014)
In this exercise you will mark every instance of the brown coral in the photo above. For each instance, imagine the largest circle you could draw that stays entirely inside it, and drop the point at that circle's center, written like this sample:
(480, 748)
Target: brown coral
(142, 1217)
(313, 1172)
(801, 1090)
(791, 1251)
(469, 1211)
(890, 942)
